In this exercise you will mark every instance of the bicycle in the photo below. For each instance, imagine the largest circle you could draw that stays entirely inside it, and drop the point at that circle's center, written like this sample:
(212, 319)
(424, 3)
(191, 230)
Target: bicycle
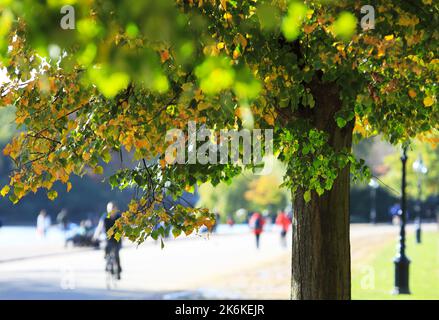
(112, 269)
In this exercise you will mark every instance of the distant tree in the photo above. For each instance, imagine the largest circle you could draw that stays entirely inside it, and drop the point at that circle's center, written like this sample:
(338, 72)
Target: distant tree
(226, 198)
(264, 193)
(247, 191)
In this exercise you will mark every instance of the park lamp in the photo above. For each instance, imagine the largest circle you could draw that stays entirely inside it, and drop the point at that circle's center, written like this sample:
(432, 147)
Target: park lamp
(373, 184)
(420, 169)
(401, 260)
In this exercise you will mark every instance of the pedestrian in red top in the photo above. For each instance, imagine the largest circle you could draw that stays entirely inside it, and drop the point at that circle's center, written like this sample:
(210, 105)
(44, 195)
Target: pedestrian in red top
(284, 222)
(257, 224)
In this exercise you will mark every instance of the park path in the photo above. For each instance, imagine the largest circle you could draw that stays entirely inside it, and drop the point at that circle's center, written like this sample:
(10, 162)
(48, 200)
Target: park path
(223, 266)
(271, 279)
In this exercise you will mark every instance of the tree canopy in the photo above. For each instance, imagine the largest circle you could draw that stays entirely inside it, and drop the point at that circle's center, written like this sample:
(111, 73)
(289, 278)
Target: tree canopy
(131, 70)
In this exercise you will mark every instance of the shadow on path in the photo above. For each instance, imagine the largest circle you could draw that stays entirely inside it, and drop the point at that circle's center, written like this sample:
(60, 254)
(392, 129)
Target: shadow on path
(36, 290)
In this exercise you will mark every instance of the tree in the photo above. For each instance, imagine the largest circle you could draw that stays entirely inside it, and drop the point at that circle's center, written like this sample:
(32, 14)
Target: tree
(264, 192)
(247, 191)
(225, 198)
(129, 72)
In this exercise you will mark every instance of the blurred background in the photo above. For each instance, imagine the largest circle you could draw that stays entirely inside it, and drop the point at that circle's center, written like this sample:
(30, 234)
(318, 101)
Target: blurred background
(59, 260)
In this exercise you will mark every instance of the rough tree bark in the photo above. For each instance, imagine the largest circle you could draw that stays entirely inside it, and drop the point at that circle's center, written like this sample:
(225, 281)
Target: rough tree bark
(321, 246)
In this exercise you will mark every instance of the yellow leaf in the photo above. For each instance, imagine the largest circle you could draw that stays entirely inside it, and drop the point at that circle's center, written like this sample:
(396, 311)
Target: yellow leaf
(52, 195)
(269, 119)
(408, 21)
(389, 37)
(198, 95)
(5, 191)
(71, 125)
(241, 40)
(20, 120)
(381, 51)
(224, 4)
(51, 157)
(309, 28)
(86, 156)
(133, 206)
(412, 93)
(141, 144)
(428, 101)
(98, 170)
(202, 106)
(164, 56)
(163, 163)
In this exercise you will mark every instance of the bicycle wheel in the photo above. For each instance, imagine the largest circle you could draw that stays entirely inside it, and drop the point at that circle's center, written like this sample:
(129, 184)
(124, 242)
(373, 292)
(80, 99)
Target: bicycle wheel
(109, 272)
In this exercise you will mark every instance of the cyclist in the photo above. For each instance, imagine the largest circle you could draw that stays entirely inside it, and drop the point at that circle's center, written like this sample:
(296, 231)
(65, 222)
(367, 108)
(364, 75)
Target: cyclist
(106, 223)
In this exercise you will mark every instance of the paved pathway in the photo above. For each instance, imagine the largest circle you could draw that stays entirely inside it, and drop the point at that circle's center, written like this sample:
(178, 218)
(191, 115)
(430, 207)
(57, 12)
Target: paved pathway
(223, 266)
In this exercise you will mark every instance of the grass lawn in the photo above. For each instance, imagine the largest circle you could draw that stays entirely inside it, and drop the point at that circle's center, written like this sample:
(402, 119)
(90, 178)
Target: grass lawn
(374, 280)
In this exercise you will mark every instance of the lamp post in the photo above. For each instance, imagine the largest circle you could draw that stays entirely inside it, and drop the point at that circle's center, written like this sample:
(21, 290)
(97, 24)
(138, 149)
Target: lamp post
(401, 261)
(373, 184)
(420, 169)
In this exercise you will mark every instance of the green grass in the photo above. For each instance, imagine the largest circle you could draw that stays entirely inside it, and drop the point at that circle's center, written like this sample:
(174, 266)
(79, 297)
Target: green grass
(374, 280)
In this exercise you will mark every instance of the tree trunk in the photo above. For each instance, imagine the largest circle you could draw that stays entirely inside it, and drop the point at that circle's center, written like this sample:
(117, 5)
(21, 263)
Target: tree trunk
(321, 246)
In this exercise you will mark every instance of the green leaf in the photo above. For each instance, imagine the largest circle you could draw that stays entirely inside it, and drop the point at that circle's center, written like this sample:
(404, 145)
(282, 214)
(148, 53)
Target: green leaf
(246, 86)
(52, 195)
(345, 26)
(176, 232)
(292, 23)
(114, 182)
(341, 122)
(109, 83)
(106, 156)
(307, 196)
(215, 74)
(98, 170)
(13, 198)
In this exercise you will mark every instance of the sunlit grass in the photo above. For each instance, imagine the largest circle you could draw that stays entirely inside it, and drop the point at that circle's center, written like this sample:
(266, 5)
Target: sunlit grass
(374, 280)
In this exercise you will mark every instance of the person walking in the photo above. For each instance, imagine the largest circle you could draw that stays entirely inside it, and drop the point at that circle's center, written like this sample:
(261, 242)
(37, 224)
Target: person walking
(284, 222)
(217, 221)
(62, 219)
(394, 212)
(257, 225)
(43, 223)
(230, 220)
